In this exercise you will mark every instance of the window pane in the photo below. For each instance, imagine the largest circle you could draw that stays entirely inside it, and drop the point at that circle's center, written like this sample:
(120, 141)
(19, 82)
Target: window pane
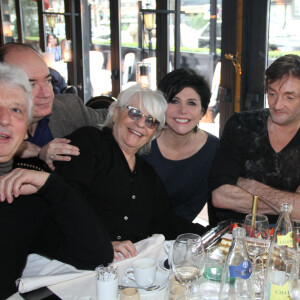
(30, 21)
(130, 52)
(284, 35)
(9, 21)
(100, 67)
(55, 34)
(284, 32)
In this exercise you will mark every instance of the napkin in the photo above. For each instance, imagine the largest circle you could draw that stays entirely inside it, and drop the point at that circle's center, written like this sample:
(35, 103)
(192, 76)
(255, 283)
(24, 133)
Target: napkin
(40, 272)
(65, 280)
(152, 247)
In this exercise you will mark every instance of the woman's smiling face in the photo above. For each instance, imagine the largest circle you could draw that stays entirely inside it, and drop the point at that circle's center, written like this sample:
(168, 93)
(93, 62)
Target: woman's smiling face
(131, 135)
(184, 111)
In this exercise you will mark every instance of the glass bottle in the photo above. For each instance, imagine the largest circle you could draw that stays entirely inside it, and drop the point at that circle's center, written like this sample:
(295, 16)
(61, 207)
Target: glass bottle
(237, 280)
(281, 256)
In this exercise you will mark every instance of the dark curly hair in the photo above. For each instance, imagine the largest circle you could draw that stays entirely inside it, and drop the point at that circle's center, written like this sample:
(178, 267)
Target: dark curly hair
(175, 81)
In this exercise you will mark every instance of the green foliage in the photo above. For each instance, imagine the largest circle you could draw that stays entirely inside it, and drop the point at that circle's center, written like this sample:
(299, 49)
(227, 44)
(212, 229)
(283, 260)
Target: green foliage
(196, 21)
(30, 18)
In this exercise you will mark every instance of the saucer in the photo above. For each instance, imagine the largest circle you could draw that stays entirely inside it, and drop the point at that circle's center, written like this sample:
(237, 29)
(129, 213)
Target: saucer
(161, 280)
(162, 263)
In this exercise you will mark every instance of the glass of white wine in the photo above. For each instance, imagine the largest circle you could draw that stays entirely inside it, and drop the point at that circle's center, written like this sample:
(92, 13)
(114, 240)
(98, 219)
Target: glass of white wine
(257, 243)
(188, 257)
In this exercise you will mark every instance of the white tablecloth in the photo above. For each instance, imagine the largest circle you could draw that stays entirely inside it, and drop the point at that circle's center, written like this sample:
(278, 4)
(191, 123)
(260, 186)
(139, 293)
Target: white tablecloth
(70, 283)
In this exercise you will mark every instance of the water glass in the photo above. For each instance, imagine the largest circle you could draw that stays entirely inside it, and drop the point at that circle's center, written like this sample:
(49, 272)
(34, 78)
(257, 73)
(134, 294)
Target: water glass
(294, 281)
(257, 243)
(209, 284)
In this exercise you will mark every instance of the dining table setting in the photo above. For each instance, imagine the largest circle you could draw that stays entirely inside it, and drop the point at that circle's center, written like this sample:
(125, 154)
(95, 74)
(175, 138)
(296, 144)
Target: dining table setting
(66, 282)
(230, 260)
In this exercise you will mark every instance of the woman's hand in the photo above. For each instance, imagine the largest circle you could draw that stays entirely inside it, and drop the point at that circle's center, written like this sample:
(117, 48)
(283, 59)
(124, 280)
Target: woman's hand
(58, 149)
(126, 248)
(21, 182)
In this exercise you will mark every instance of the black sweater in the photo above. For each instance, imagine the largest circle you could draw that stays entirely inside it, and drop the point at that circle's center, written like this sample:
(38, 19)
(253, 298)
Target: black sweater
(55, 223)
(133, 205)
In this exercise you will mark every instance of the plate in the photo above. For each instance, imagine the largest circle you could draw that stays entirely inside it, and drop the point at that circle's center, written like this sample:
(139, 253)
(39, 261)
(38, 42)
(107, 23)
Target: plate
(162, 263)
(161, 280)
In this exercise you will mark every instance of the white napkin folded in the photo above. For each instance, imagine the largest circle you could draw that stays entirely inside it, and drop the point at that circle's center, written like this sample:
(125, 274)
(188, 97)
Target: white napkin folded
(152, 247)
(40, 272)
(64, 278)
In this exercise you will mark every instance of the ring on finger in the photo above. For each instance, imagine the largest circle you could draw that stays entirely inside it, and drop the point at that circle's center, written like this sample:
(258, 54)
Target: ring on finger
(52, 157)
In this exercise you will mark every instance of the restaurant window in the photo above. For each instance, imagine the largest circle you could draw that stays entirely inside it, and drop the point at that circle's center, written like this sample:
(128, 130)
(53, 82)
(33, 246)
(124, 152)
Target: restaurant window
(10, 33)
(99, 54)
(55, 36)
(284, 23)
(30, 21)
(196, 34)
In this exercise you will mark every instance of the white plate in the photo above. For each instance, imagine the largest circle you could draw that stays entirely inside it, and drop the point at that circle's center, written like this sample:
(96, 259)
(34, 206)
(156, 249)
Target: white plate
(161, 280)
(161, 263)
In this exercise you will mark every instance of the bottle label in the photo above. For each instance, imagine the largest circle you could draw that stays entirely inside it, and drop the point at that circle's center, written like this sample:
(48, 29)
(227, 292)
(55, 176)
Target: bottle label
(280, 292)
(286, 240)
(243, 270)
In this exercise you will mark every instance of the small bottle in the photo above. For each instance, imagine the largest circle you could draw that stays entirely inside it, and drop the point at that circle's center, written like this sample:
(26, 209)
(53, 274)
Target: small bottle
(281, 256)
(237, 280)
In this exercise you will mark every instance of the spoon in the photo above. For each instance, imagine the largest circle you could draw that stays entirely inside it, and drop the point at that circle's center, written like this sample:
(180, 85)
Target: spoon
(149, 288)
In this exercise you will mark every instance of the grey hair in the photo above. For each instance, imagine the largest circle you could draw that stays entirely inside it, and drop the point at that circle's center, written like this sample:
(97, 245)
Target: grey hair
(154, 103)
(12, 76)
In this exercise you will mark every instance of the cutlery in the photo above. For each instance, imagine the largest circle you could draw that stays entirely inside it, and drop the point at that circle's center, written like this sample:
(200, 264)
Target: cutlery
(149, 288)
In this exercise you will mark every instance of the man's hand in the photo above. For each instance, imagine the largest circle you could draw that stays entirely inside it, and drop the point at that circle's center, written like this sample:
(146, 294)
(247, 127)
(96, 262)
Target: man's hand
(126, 248)
(21, 182)
(57, 150)
(28, 149)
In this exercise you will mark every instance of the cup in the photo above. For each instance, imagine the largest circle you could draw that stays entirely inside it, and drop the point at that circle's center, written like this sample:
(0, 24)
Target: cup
(130, 294)
(107, 290)
(143, 272)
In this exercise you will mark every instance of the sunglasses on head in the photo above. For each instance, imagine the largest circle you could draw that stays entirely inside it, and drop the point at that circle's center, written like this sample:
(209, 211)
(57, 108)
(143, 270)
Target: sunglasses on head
(135, 114)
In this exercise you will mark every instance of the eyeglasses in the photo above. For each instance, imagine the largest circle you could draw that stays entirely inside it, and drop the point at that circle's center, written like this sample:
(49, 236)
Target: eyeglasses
(135, 114)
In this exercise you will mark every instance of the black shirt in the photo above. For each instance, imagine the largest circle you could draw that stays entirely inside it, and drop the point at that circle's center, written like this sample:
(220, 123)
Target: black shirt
(245, 151)
(186, 180)
(133, 205)
(56, 223)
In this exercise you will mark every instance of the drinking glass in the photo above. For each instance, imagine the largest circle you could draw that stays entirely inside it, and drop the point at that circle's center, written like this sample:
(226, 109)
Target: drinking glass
(188, 258)
(294, 281)
(257, 243)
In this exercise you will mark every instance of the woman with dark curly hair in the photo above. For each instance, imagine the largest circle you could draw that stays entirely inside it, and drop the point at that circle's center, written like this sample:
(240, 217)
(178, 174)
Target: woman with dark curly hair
(183, 153)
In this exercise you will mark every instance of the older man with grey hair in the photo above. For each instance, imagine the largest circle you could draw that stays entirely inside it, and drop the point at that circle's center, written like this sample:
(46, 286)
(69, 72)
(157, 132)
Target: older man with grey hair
(38, 212)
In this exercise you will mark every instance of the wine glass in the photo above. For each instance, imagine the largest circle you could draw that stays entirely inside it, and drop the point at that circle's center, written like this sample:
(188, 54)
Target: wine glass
(188, 258)
(257, 243)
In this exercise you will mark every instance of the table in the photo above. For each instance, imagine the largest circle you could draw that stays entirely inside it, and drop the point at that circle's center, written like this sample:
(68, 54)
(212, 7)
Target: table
(84, 287)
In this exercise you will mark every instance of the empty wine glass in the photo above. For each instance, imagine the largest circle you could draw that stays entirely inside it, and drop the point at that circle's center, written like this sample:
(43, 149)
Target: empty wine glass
(257, 243)
(188, 258)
